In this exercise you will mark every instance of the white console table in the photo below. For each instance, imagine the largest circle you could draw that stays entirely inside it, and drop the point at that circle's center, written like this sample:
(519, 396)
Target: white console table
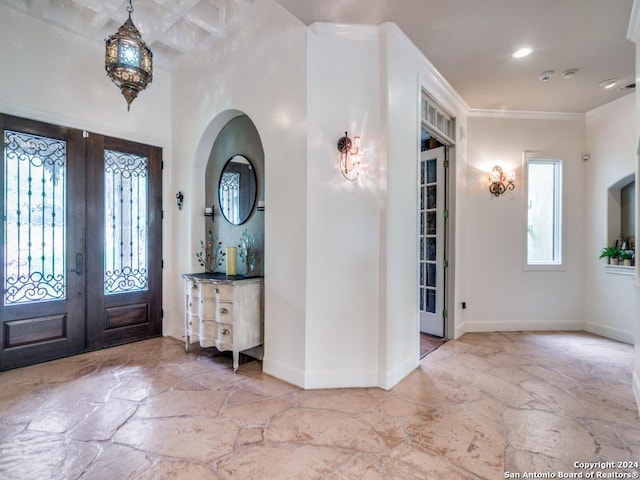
(224, 312)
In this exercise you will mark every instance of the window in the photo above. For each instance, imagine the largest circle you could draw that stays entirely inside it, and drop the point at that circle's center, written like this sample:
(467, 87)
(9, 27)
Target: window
(436, 119)
(544, 211)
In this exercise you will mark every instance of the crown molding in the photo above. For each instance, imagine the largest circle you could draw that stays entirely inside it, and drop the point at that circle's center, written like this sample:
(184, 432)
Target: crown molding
(345, 30)
(524, 114)
(633, 32)
(430, 78)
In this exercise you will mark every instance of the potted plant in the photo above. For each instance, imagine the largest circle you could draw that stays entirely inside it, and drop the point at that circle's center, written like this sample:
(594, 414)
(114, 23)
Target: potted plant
(626, 256)
(611, 254)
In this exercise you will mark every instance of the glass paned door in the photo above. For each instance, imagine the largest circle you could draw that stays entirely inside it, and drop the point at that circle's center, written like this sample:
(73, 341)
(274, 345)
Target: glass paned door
(82, 241)
(43, 239)
(124, 241)
(431, 281)
(125, 204)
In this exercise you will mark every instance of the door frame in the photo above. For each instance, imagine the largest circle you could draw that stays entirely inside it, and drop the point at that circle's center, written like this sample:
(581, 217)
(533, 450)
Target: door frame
(449, 143)
(41, 331)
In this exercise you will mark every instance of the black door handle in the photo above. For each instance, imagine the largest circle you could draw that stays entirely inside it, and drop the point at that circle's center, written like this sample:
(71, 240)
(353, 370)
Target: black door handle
(79, 270)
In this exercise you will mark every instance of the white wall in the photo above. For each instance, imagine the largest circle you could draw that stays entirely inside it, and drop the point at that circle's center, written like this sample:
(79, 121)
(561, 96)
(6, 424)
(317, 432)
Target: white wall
(260, 70)
(406, 72)
(343, 225)
(51, 75)
(362, 251)
(500, 295)
(609, 297)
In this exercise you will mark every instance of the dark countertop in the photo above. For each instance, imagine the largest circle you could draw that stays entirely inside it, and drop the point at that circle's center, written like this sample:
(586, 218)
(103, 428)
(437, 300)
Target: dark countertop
(221, 276)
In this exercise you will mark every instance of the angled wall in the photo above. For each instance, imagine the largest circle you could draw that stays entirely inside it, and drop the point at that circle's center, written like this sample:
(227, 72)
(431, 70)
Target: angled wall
(609, 293)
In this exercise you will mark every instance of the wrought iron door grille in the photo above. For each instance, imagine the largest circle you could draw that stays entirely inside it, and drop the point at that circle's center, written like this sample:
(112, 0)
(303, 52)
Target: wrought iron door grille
(126, 188)
(34, 218)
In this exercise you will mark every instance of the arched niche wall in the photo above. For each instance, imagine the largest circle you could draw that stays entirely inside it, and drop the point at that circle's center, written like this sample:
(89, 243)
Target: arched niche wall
(621, 211)
(230, 132)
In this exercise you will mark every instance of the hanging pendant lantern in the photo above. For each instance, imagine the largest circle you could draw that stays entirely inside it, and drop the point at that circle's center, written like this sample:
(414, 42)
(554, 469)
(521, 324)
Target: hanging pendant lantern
(128, 60)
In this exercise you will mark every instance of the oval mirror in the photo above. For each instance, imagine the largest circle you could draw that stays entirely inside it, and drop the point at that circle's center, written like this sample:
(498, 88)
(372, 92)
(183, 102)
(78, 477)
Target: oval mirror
(237, 189)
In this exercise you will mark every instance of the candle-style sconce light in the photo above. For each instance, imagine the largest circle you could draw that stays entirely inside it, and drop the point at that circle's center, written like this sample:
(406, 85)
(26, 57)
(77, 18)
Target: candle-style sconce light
(349, 156)
(500, 181)
(208, 212)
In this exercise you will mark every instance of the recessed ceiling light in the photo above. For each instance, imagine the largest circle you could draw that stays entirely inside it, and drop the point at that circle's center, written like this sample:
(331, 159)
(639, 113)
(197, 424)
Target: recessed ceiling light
(608, 84)
(523, 52)
(546, 76)
(568, 74)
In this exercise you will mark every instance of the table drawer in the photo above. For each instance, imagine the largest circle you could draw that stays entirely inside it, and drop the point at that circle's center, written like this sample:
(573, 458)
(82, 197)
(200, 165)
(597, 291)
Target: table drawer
(224, 312)
(221, 292)
(193, 305)
(193, 324)
(225, 335)
(224, 293)
(208, 333)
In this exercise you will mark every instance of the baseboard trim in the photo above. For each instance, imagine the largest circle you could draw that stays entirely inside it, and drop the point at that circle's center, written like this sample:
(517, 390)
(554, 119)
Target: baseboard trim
(461, 329)
(610, 332)
(178, 334)
(332, 379)
(389, 379)
(283, 372)
(518, 326)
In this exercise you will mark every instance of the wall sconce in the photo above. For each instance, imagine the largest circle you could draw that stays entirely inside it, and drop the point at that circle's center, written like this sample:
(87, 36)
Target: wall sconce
(179, 199)
(208, 212)
(349, 157)
(501, 182)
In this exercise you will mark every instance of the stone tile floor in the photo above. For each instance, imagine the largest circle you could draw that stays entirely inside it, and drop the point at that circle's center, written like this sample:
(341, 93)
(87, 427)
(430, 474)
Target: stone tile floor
(429, 343)
(475, 408)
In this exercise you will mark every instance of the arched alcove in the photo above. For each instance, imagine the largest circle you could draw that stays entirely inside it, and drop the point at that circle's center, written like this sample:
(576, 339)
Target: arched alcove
(230, 132)
(621, 213)
(237, 137)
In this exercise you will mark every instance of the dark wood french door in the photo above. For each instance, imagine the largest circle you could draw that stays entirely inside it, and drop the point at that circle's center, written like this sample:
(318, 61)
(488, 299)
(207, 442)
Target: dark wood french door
(81, 258)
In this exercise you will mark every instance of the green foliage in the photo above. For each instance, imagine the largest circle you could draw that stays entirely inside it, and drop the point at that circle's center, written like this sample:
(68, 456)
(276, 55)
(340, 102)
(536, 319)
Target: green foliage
(610, 252)
(625, 255)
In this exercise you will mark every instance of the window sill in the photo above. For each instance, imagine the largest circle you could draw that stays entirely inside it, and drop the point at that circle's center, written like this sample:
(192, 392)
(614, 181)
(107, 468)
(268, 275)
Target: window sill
(620, 270)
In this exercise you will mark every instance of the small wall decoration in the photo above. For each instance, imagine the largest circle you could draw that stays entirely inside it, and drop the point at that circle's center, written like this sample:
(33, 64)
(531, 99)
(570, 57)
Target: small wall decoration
(247, 251)
(211, 255)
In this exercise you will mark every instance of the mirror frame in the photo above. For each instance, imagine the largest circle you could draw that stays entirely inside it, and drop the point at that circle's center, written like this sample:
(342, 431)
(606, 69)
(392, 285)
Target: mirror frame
(253, 177)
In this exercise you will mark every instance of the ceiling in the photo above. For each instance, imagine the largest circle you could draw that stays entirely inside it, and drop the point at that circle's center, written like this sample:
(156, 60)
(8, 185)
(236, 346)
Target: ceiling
(468, 41)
